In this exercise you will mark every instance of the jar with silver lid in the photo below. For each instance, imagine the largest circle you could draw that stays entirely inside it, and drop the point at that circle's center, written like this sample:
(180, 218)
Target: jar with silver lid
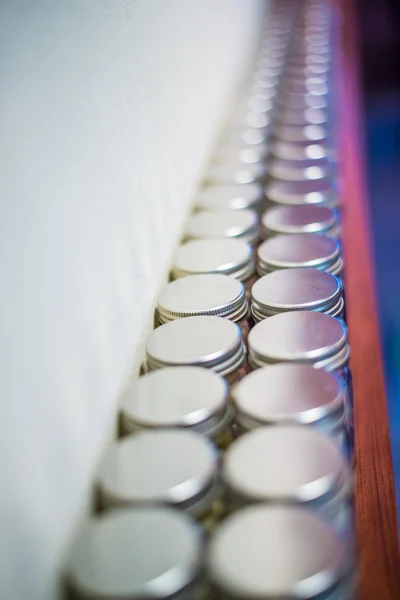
(270, 552)
(308, 191)
(231, 197)
(225, 256)
(305, 151)
(204, 341)
(299, 101)
(179, 397)
(289, 464)
(303, 218)
(290, 394)
(176, 468)
(287, 251)
(297, 289)
(300, 170)
(211, 225)
(113, 557)
(305, 337)
(235, 173)
(218, 295)
(295, 133)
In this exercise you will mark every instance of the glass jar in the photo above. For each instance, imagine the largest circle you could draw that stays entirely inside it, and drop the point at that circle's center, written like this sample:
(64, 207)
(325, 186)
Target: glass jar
(288, 251)
(179, 397)
(297, 289)
(113, 556)
(270, 552)
(308, 191)
(232, 224)
(231, 197)
(175, 467)
(226, 257)
(218, 295)
(304, 218)
(204, 341)
(290, 394)
(289, 464)
(305, 337)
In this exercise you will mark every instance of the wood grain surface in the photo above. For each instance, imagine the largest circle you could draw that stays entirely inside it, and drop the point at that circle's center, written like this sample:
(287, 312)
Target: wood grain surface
(375, 507)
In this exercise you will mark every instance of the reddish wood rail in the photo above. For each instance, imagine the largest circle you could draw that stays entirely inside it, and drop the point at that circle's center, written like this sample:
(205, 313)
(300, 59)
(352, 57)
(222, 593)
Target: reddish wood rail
(375, 507)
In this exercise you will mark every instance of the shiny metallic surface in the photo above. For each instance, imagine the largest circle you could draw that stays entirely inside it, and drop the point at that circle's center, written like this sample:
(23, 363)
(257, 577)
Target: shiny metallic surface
(277, 552)
(225, 256)
(303, 218)
(236, 152)
(295, 289)
(300, 336)
(235, 173)
(302, 117)
(210, 342)
(292, 170)
(300, 101)
(304, 151)
(294, 133)
(152, 468)
(238, 224)
(309, 191)
(113, 556)
(231, 197)
(288, 394)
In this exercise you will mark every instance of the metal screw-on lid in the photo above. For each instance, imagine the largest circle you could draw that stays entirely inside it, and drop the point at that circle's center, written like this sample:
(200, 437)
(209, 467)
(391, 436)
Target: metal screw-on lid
(307, 116)
(174, 467)
(293, 170)
(308, 191)
(238, 224)
(305, 151)
(225, 256)
(296, 289)
(288, 394)
(303, 218)
(302, 72)
(286, 463)
(239, 152)
(231, 197)
(250, 136)
(235, 172)
(190, 397)
(300, 101)
(218, 295)
(277, 552)
(287, 251)
(295, 133)
(299, 337)
(210, 342)
(114, 555)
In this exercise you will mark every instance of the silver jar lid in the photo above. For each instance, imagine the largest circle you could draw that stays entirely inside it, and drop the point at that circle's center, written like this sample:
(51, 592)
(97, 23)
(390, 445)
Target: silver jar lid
(184, 397)
(303, 101)
(296, 289)
(299, 337)
(231, 197)
(305, 151)
(261, 102)
(286, 464)
(303, 218)
(113, 556)
(239, 152)
(210, 342)
(175, 467)
(287, 251)
(303, 117)
(250, 136)
(225, 256)
(296, 133)
(274, 552)
(308, 191)
(299, 170)
(235, 173)
(288, 394)
(238, 224)
(218, 295)
(302, 72)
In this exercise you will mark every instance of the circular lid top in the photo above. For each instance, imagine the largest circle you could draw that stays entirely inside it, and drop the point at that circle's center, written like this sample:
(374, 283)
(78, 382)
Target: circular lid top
(308, 191)
(235, 172)
(210, 294)
(203, 341)
(143, 553)
(302, 218)
(289, 394)
(250, 136)
(230, 197)
(156, 467)
(305, 151)
(261, 102)
(270, 552)
(298, 170)
(296, 133)
(238, 151)
(300, 101)
(301, 250)
(286, 463)
(222, 224)
(175, 397)
(311, 85)
(291, 289)
(300, 336)
(224, 256)
(306, 116)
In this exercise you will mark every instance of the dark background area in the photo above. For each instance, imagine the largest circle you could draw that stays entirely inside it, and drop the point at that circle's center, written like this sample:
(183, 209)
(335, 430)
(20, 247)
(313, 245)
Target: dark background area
(379, 27)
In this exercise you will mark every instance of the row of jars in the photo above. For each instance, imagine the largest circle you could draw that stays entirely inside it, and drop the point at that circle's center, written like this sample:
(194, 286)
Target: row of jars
(230, 478)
